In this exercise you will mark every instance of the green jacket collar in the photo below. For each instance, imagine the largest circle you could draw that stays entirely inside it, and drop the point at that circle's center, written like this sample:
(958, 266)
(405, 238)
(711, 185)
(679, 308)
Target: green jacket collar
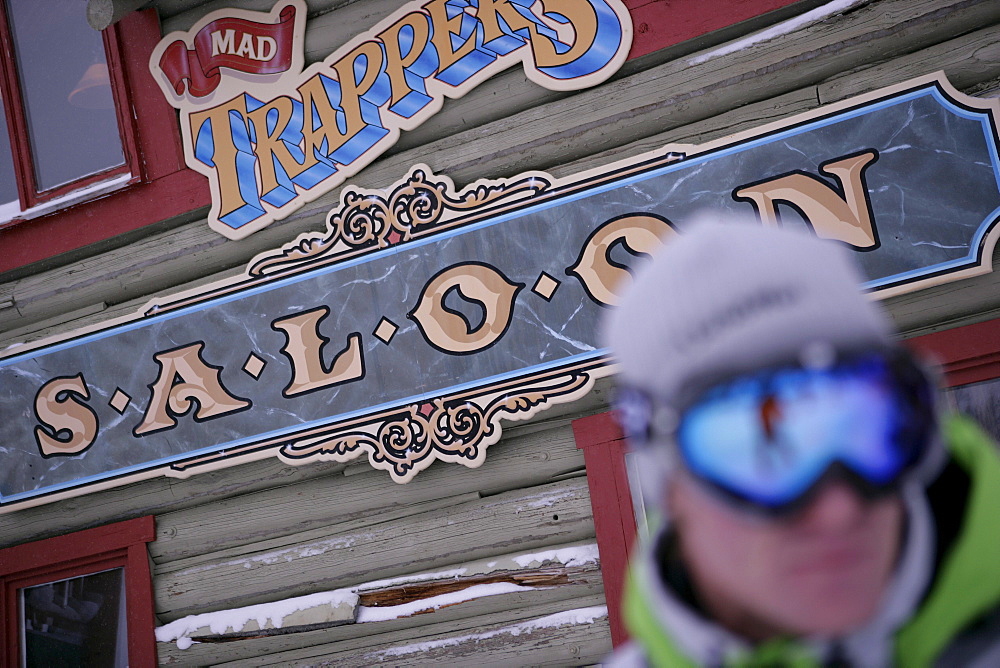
(968, 583)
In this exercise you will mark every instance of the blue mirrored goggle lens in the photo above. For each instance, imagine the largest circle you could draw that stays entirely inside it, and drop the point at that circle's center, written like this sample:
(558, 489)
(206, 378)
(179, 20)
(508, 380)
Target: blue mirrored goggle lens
(767, 438)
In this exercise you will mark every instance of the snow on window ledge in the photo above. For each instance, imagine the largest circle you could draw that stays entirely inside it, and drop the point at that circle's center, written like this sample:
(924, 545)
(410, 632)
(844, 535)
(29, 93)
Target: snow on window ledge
(10, 213)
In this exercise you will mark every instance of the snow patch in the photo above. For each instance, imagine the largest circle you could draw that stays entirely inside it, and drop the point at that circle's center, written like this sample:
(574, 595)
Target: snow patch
(546, 501)
(381, 614)
(288, 555)
(783, 28)
(409, 579)
(9, 210)
(236, 619)
(569, 617)
(568, 556)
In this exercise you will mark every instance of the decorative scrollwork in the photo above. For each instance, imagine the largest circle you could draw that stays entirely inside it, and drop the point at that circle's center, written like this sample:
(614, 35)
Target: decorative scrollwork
(458, 429)
(417, 204)
(454, 430)
(374, 219)
(362, 221)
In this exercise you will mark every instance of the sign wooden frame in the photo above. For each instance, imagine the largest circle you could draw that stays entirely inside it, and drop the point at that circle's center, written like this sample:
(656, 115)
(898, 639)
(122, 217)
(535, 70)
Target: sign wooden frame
(423, 377)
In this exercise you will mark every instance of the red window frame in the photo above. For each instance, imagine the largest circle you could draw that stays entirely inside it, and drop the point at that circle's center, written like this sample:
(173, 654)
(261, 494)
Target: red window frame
(161, 188)
(120, 545)
(968, 354)
(603, 444)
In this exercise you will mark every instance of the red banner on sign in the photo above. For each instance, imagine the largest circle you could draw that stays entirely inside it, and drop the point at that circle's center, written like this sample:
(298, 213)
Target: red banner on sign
(239, 44)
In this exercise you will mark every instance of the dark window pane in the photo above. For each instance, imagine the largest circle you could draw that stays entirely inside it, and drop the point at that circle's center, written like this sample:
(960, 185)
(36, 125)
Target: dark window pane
(75, 622)
(8, 186)
(72, 124)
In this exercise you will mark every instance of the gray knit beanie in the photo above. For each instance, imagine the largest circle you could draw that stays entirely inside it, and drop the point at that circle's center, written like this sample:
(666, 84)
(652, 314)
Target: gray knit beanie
(724, 299)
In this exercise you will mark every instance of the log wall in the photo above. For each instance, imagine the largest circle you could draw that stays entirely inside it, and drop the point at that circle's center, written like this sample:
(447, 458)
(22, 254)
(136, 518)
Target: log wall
(266, 531)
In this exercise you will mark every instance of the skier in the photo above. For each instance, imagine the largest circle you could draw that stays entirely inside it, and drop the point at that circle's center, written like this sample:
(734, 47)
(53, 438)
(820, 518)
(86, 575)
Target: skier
(818, 507)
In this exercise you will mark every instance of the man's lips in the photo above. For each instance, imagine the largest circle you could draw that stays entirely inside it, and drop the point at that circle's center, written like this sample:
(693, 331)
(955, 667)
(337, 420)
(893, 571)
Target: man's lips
(831, 558)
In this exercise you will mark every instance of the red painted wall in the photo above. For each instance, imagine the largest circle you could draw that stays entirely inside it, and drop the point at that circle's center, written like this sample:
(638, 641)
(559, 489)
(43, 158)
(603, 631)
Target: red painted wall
(966, 354)
(662, 23)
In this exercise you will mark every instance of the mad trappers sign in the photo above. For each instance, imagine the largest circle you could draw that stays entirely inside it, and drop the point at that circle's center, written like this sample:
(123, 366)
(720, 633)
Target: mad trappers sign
(270, 136)
(422, 316)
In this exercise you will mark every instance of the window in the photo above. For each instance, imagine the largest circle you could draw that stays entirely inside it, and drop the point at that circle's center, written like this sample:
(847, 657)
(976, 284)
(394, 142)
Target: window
(151, 185)
(81, 599)
(65, 132)
(76, 621)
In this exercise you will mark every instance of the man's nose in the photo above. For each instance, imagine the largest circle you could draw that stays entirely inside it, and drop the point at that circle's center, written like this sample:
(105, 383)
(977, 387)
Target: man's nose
(837, 505)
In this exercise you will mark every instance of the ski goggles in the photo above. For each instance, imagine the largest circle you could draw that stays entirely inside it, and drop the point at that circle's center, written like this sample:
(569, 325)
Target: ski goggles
(768, 439)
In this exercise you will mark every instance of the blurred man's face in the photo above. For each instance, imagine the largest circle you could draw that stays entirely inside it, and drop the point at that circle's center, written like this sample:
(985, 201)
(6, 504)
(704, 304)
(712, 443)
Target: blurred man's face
(822, 571)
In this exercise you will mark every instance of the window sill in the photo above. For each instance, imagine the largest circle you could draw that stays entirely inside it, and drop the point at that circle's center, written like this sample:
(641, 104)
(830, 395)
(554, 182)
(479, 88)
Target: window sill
(99, 219)
(11, 214)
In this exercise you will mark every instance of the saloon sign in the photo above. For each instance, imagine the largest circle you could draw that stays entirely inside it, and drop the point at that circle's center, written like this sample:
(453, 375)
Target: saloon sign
(270, 137)
(421, 316)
